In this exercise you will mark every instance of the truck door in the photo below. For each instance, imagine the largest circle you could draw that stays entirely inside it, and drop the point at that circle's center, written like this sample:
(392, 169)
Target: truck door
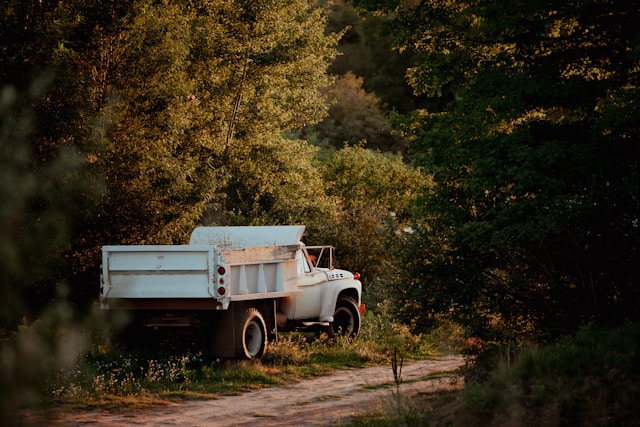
(310, 280)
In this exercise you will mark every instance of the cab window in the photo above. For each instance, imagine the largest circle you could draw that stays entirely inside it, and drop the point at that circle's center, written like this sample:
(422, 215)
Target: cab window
(303, 265)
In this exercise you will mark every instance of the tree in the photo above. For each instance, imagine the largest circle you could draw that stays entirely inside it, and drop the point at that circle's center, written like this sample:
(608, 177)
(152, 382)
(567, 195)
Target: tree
(38, 209)
(163, 99)
(367, 51)
(531, 227)
(354, 116)
(284, 55)
(278, 182)
(48, 179)
(375, 192)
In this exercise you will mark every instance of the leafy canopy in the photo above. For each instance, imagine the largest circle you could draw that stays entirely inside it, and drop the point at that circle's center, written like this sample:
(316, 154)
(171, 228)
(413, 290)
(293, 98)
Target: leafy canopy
(532, 225)
(163, 100)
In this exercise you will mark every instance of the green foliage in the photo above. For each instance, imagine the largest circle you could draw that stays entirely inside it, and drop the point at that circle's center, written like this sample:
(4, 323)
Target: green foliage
(355, 116)
(357, 200)
(376, 191)
(112, 380)
(531, 226)
(210, 73)
(588, 379)
(54, 342)
(368, 52)
(289, 350)
(40, 205)
(164, 101)
(579, 380)
(277, 181)
(149, 131)
(391, 336)
(38, 210)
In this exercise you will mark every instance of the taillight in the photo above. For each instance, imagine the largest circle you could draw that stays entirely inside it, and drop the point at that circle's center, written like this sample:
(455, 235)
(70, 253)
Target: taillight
(221, 280)
(356, 276)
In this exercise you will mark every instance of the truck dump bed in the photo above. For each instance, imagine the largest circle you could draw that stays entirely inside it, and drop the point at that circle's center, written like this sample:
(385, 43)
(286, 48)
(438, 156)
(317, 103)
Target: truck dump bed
(189, 276)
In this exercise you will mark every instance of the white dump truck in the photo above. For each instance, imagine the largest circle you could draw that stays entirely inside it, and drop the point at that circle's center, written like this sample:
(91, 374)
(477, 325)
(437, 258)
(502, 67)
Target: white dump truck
(235, 287)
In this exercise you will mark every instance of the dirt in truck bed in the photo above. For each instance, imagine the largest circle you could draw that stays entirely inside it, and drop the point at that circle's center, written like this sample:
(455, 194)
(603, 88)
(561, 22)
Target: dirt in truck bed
(328, 400)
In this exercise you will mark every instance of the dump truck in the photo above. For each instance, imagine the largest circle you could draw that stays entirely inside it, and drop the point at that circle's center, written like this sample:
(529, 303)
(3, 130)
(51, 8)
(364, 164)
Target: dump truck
(233, 287)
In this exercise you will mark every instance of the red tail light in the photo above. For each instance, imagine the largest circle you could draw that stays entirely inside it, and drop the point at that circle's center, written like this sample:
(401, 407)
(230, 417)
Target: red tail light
(356, 276)
(221, 280)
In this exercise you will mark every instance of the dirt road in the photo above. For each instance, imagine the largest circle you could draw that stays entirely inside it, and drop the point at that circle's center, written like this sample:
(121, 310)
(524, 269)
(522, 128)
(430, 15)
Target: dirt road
(328, 400)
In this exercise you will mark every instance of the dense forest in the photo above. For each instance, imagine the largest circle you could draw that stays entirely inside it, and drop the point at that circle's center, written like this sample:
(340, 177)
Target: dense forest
(474, 160)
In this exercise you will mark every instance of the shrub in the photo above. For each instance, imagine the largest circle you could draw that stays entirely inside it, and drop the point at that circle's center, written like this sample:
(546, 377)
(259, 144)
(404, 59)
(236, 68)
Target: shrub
(591, 378)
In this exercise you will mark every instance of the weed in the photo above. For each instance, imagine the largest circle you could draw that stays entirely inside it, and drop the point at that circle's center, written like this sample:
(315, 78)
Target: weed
(397, 370)
(289, 350)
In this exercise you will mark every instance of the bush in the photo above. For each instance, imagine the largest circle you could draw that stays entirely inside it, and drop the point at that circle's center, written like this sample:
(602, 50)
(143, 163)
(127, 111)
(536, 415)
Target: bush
(591, 378)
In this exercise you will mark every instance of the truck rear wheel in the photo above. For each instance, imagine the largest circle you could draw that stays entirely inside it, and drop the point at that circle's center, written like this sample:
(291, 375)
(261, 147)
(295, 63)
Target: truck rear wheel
(251, 340)
(346, 319)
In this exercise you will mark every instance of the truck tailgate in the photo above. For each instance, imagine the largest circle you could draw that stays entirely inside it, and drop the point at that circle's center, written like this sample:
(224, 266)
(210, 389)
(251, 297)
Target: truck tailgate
(157, 271)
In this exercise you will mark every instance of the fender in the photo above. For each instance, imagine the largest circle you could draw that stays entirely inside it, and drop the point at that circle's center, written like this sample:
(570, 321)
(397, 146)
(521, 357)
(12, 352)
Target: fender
(331, 293)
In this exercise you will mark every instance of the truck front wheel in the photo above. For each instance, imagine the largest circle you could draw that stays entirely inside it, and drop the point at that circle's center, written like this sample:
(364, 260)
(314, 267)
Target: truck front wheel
(251, 340)
(346, 319)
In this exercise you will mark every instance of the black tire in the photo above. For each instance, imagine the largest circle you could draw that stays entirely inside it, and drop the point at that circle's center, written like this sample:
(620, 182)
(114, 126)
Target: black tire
(251, 339)
(346, 318)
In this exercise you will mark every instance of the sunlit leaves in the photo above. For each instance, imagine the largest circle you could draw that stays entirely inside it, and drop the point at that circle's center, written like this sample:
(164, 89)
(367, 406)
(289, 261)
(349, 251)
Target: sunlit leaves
(173, 105)
(276, 182)
(377, 192)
